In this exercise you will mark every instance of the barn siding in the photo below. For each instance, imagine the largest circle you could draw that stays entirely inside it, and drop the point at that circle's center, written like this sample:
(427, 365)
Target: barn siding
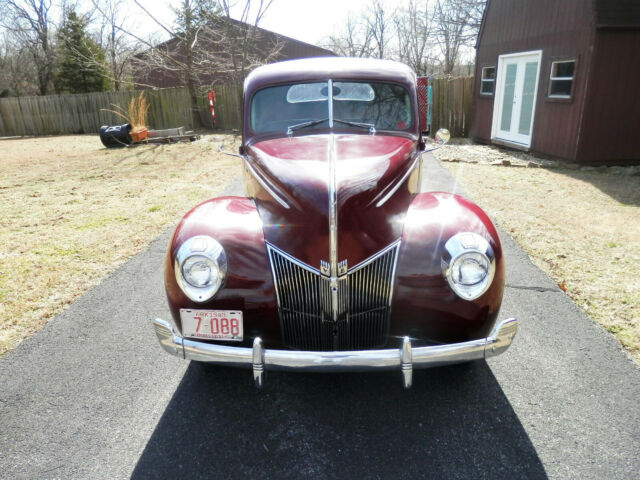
(612, 111)
(562, 30)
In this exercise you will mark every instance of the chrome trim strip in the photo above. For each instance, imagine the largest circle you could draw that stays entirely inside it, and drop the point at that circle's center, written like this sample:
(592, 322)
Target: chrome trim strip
(395, 188)
(496, 343)
(333, 226)
(374, 257)
(333, 210)
(393, 275)
(264, 184)
(330, 100)
(324, 264)
(291, 259)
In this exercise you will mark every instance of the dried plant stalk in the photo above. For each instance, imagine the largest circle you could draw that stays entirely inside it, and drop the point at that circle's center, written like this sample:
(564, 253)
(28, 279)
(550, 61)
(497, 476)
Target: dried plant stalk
(138, 109)
(136, 113)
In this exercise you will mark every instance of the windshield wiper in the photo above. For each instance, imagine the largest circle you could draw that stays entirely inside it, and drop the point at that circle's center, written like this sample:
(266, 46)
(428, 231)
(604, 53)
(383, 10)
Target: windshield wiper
(370, 126)
(298, 126)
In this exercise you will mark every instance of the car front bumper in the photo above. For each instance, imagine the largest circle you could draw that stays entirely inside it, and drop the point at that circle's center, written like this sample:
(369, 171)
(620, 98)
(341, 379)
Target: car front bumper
(405, 358)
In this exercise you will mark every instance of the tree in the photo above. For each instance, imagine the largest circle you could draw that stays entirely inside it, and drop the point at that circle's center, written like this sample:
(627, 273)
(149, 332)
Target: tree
(29, 23)
(428, 35)
(206, 44)
(414, 27)
(242, 46)
(367, 34)
(354, 40)
(456, 25)
(81, 66)
(17, 71)
(113, 40)
(378, 26)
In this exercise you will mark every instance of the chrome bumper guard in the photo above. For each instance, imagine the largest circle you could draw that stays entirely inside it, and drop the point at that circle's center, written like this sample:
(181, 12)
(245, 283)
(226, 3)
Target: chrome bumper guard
(405, 359)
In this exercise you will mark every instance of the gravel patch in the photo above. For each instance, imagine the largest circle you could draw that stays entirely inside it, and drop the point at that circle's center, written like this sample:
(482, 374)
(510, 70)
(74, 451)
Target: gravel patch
(463, 151)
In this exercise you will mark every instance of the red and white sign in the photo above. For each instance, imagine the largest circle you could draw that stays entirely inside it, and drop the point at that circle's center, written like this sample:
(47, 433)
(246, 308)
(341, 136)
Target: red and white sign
(212, 102)
(212, 324)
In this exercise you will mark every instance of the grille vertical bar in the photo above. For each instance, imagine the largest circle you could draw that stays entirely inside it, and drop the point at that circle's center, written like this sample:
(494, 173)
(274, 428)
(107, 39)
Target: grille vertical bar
(364, 303)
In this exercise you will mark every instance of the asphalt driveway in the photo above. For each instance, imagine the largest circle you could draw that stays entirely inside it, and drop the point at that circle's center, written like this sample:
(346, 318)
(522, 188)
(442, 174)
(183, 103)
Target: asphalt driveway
(92, 395)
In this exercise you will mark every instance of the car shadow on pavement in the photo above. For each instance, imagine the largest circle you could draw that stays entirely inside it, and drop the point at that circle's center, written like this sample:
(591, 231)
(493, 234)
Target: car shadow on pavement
(454, 423)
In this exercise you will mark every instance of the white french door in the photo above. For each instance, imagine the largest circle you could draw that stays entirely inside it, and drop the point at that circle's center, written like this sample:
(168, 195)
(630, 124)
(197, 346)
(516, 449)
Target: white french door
(515, 97)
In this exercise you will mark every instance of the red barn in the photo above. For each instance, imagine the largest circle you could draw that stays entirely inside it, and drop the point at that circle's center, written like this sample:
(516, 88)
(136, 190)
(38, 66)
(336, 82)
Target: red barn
(560, 78)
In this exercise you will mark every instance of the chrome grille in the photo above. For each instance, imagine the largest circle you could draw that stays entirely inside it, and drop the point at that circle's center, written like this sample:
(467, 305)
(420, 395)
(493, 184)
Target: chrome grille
(364, 303)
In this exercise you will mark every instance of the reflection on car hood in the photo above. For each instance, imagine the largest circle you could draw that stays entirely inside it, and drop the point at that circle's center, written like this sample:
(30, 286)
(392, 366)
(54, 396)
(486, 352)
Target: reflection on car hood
(291, 179)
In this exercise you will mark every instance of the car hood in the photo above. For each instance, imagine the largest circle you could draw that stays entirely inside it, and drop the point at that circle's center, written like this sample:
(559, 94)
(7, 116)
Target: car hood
(291, 179)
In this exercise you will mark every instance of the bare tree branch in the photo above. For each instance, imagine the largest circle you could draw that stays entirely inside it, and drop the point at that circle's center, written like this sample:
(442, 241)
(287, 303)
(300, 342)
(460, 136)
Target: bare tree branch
(428, 35)
(17, 71)
(354, 40)
(29, 23)
(118, 46)
(415, 36)
(207, 45)
(378, 26)
(457, 23)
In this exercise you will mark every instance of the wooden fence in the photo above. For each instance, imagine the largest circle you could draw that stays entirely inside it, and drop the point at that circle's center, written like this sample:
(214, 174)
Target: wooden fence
(170, 107)
(452, 101)
(84, 113)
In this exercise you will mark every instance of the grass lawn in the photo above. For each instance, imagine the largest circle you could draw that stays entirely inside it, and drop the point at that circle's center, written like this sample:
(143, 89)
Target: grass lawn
(581, 227)
(71, 211)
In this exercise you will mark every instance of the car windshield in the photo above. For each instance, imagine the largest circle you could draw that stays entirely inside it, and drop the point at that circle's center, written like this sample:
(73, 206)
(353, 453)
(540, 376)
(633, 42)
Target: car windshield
(368, 106)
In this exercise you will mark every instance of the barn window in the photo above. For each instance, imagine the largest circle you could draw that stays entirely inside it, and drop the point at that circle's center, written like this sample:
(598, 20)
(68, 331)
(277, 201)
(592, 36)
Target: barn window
(561, 79)
(488, 80)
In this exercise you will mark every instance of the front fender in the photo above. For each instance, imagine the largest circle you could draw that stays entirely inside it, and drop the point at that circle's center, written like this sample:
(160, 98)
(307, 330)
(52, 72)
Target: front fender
(235, 223)
(423, 304)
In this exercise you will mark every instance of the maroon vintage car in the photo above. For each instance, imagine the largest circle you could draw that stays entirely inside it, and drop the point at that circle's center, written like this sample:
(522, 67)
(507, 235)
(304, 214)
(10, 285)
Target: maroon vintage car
(334, 260)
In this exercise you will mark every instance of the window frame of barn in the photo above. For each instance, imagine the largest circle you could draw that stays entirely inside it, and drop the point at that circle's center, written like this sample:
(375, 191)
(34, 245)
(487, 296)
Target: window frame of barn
(488, 81)
(555, 80)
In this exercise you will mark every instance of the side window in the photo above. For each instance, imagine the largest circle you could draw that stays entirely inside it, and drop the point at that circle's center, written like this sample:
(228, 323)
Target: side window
(488, 80)
(561, 79)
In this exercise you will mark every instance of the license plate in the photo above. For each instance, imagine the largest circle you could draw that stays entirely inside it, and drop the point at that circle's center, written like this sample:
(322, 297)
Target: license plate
(212, 324)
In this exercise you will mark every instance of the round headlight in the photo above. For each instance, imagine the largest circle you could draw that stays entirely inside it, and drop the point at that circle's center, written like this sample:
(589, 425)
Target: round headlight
(469, 268)
(200, 267)
(468, 264)
(199, 271)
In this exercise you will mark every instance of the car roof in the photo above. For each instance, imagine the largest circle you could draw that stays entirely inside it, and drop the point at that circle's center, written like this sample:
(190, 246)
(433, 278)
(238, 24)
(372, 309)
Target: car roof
(323, 68)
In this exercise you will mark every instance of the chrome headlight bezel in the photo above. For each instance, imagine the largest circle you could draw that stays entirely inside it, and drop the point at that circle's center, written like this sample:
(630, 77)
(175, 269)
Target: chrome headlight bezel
(467, 245)
(209, 249)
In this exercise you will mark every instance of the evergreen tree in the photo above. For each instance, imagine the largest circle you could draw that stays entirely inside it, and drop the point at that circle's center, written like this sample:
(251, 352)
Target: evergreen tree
(81, 64)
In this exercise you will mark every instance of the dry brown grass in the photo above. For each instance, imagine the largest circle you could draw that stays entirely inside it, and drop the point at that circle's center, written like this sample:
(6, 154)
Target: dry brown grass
(71, 211)
(581, 228)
